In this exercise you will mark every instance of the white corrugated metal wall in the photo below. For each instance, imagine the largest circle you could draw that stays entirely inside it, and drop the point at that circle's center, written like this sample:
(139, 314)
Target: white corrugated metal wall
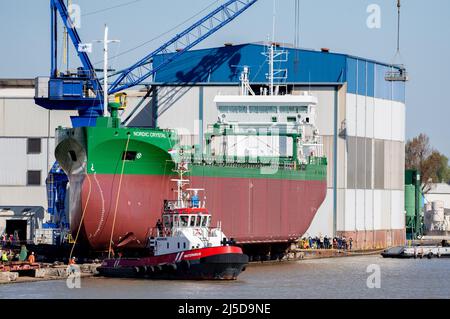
(374, 199)
(20, 119)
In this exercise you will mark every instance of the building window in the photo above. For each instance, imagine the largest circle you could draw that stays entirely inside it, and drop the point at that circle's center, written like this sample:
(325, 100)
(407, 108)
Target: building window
(34, 146)
(34, 178)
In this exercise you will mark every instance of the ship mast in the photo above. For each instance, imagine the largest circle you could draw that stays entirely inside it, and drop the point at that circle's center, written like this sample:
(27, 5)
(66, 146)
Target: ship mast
(181, 182)
(272, 49)
(398, 25)
(105, 42)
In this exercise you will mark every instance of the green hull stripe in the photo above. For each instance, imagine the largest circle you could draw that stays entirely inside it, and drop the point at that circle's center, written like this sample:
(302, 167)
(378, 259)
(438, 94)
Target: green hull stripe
(149, 155)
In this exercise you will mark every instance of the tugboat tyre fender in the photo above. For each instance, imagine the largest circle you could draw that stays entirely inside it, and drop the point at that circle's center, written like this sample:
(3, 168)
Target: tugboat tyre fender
(185, 264)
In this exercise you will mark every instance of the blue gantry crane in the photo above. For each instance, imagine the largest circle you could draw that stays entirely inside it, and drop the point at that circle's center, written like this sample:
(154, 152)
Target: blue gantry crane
(82, 90)
(56, 183)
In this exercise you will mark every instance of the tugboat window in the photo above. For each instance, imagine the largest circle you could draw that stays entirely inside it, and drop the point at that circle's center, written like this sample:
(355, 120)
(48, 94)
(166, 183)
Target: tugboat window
(184, 221)
(204, 220)
(175, 221)
(199, 222)
(192, 221)
(129, 156)
(166, 221)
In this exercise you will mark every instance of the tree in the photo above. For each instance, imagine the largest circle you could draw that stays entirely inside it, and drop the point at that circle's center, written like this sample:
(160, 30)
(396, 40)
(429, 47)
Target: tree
(417, 151)
(431, 163)
(432, 168)
(443, 173)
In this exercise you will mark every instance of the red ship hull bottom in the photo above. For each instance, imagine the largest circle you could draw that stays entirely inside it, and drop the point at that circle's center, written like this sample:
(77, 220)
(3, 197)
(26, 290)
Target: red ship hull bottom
(218, 263)
(251, 210)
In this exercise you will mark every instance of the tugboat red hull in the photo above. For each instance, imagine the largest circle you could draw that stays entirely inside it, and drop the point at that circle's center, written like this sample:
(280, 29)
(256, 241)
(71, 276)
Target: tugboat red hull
(216, 263)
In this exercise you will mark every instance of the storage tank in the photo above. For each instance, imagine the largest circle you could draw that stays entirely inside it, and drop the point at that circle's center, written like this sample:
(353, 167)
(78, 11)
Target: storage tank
(410, 200)
(438, 211)
(414, 223)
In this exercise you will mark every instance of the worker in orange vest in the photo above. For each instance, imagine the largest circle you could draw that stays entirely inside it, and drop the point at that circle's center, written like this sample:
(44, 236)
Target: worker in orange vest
(31, 258)
(72, 261)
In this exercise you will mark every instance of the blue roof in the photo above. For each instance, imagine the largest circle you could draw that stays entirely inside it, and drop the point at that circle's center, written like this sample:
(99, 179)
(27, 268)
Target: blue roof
(223, 65)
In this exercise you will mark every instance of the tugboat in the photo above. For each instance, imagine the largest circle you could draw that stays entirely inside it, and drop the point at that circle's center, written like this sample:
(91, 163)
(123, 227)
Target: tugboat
(183, 245)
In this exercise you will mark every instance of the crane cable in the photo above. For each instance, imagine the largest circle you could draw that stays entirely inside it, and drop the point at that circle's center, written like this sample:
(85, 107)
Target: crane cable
(161, 35)
(83, 214)
(110, 8)
(118, 194)
(297, 24)
(398, 56)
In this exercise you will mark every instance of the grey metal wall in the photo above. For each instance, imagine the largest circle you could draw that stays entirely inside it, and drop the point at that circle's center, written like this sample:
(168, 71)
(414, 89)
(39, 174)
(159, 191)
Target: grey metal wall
(21, 119)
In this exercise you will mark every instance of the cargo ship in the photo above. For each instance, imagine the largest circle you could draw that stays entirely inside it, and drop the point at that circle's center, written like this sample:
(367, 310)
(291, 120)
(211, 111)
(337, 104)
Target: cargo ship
(261, 166)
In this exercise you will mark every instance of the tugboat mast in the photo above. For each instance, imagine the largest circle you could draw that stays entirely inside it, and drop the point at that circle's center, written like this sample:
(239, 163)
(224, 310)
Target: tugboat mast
(181, 182)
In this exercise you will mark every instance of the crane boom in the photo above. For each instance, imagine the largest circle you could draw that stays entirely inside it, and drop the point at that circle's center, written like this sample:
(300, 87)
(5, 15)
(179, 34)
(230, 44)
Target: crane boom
(83, 92)
(181, 43)
(76, 40)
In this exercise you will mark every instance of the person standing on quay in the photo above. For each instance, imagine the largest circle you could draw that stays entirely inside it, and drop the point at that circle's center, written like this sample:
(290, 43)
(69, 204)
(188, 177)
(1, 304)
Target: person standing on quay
(4, 236)
(4, 257)
(32, 258)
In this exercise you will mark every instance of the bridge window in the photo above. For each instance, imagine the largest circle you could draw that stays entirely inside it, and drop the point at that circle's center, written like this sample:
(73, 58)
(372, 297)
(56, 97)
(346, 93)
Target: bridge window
(232, 109)
(293, 109)
(198, 222)
(192, 223)
(263, 109)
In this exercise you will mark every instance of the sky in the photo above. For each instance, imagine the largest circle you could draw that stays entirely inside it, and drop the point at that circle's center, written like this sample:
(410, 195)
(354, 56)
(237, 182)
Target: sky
(340, 25)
